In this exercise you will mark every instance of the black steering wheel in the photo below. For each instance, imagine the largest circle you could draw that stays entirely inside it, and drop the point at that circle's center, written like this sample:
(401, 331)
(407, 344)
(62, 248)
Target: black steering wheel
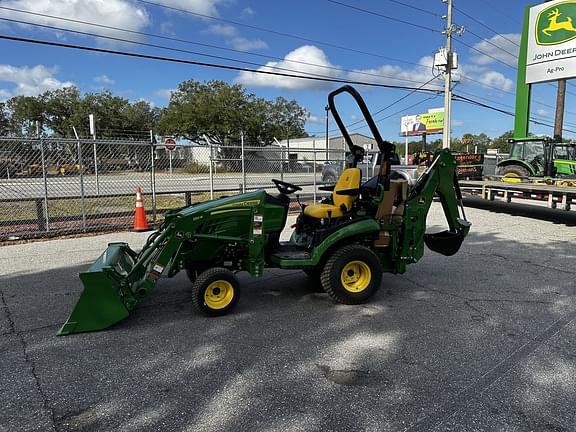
(286, 188)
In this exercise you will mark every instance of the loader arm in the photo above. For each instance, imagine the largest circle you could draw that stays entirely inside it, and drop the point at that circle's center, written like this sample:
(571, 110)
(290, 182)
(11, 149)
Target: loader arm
(439, 179)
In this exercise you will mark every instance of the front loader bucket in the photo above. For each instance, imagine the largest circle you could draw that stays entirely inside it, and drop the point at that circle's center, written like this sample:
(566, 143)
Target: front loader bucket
(101, 303)
(445, 242)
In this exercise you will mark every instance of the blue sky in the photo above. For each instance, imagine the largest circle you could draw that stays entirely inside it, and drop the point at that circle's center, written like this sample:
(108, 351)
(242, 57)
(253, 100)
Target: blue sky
(393, 53)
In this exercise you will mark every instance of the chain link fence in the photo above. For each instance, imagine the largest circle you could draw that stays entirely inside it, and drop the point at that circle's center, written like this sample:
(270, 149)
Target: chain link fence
(59, 186)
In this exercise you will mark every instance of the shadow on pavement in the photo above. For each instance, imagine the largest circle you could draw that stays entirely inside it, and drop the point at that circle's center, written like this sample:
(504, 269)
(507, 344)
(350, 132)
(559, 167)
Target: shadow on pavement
(557, 216)
(479, 341)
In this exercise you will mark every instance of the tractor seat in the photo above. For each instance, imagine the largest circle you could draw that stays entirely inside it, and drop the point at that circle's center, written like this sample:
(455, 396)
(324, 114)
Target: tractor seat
(349, 179)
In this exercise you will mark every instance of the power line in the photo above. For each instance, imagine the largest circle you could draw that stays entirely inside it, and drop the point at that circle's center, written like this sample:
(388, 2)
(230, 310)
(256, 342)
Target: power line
(403, 110)
(483, 105)
(393, 19)
(387, 106)
(500, 12)
(485, 26)
(267, 30)
(412, 7)
(485, 54)
(204, 54)
(211, 65)
(489, 42)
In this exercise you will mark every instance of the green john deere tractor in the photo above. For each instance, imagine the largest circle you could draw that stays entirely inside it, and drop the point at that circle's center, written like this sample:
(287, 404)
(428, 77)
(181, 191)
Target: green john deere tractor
(346, 242)
(538, 157)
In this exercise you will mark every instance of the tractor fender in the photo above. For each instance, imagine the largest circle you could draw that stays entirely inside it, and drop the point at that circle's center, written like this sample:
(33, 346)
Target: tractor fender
(519, 162)
(346, 235)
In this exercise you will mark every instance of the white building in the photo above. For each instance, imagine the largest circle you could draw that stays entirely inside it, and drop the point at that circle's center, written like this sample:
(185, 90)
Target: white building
(303, 149)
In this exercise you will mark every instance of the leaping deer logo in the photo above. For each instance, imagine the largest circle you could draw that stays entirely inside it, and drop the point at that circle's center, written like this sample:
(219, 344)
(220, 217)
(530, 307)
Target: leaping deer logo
(554, 25)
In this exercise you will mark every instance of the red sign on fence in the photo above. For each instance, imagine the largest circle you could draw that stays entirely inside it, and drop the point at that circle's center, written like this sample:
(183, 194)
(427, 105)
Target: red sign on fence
(170, 144)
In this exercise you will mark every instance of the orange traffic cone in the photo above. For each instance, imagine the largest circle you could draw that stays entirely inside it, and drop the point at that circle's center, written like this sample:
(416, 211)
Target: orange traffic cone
(140, 222)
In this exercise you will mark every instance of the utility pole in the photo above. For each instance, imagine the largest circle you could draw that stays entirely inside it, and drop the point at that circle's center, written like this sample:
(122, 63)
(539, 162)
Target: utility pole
(448, 78)
(560, 100)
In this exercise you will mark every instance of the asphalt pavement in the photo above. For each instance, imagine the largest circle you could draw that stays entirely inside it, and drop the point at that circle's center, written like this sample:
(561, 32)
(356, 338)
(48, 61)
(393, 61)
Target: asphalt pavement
(481, 341)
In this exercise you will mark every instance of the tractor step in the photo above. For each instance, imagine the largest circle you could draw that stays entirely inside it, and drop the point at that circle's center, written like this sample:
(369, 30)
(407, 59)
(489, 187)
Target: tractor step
(290, 251)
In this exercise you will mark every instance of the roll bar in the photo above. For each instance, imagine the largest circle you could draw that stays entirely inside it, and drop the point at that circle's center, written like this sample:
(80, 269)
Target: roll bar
(386, 148)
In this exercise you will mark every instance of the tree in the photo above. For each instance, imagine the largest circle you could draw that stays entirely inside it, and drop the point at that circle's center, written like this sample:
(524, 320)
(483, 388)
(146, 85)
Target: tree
(287, 119)
(223, 112)
(501, 143)
(60, 107)
(216, 109)
(4, 119)
(470, 143)
(140, 116)
(26, 115)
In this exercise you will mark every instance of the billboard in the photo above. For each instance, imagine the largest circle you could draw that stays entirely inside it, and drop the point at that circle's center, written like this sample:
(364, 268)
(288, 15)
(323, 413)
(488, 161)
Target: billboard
(551, 51)
(419, 124)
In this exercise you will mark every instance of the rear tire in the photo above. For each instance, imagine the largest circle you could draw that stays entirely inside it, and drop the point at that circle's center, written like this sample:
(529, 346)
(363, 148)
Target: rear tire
(352, 274)
(513, 173)
(215, 291)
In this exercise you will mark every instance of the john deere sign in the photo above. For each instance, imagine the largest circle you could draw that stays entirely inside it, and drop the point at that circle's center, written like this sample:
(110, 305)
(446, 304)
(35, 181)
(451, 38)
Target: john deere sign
(551, 42)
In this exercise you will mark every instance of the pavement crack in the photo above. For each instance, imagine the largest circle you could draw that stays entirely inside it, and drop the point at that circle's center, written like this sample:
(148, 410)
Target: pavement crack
(464, 398)
(8, 313)
(28, 360)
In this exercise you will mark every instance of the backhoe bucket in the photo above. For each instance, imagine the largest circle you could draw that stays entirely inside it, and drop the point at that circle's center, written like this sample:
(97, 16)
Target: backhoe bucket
(101, 303)
(445, 242)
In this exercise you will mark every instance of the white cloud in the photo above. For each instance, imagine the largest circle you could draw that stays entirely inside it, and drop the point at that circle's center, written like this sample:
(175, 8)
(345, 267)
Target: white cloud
(235, 40)
(317, 63)
(314, 119)
(542, 112)
(114, 13)
(243, 44)
(29, 81)
(496, 79)
(247, 12)
(397, 75)
(223, 30)
(481, 75)
(204, 7)
(104, 80)
(167, 28)
(457, 123)
(503, 47)
(164, 93)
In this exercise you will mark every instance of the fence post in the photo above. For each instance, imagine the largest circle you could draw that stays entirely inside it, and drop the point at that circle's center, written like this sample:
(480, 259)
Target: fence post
(153, 176)
(45, 179)
(82, 197)
(210, 167)
(96, 168)
(281, 159)
(314, 170)
(243, 163)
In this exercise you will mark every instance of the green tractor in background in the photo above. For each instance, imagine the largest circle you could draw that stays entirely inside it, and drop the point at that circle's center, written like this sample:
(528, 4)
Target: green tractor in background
(538, 157)
(345, 243)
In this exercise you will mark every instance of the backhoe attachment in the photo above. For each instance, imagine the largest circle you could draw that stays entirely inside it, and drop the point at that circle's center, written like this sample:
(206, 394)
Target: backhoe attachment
(438, 179)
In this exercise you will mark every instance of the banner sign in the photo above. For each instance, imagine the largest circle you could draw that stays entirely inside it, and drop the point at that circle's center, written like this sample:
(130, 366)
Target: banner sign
(472, 172)
(419, 124)
(469, 158)
(470, 166)
(551, 41)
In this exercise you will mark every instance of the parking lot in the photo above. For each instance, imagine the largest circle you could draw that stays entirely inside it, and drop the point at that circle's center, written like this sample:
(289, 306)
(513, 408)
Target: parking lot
(483, 340)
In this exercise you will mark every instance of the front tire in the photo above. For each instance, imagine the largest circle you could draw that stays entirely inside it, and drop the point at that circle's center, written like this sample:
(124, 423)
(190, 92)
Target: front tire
(215, 291)
(352, 274)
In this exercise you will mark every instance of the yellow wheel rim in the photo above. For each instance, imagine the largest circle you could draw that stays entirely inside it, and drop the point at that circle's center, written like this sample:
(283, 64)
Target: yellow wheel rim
(219, 294)
(512, 178)
(356, 276)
